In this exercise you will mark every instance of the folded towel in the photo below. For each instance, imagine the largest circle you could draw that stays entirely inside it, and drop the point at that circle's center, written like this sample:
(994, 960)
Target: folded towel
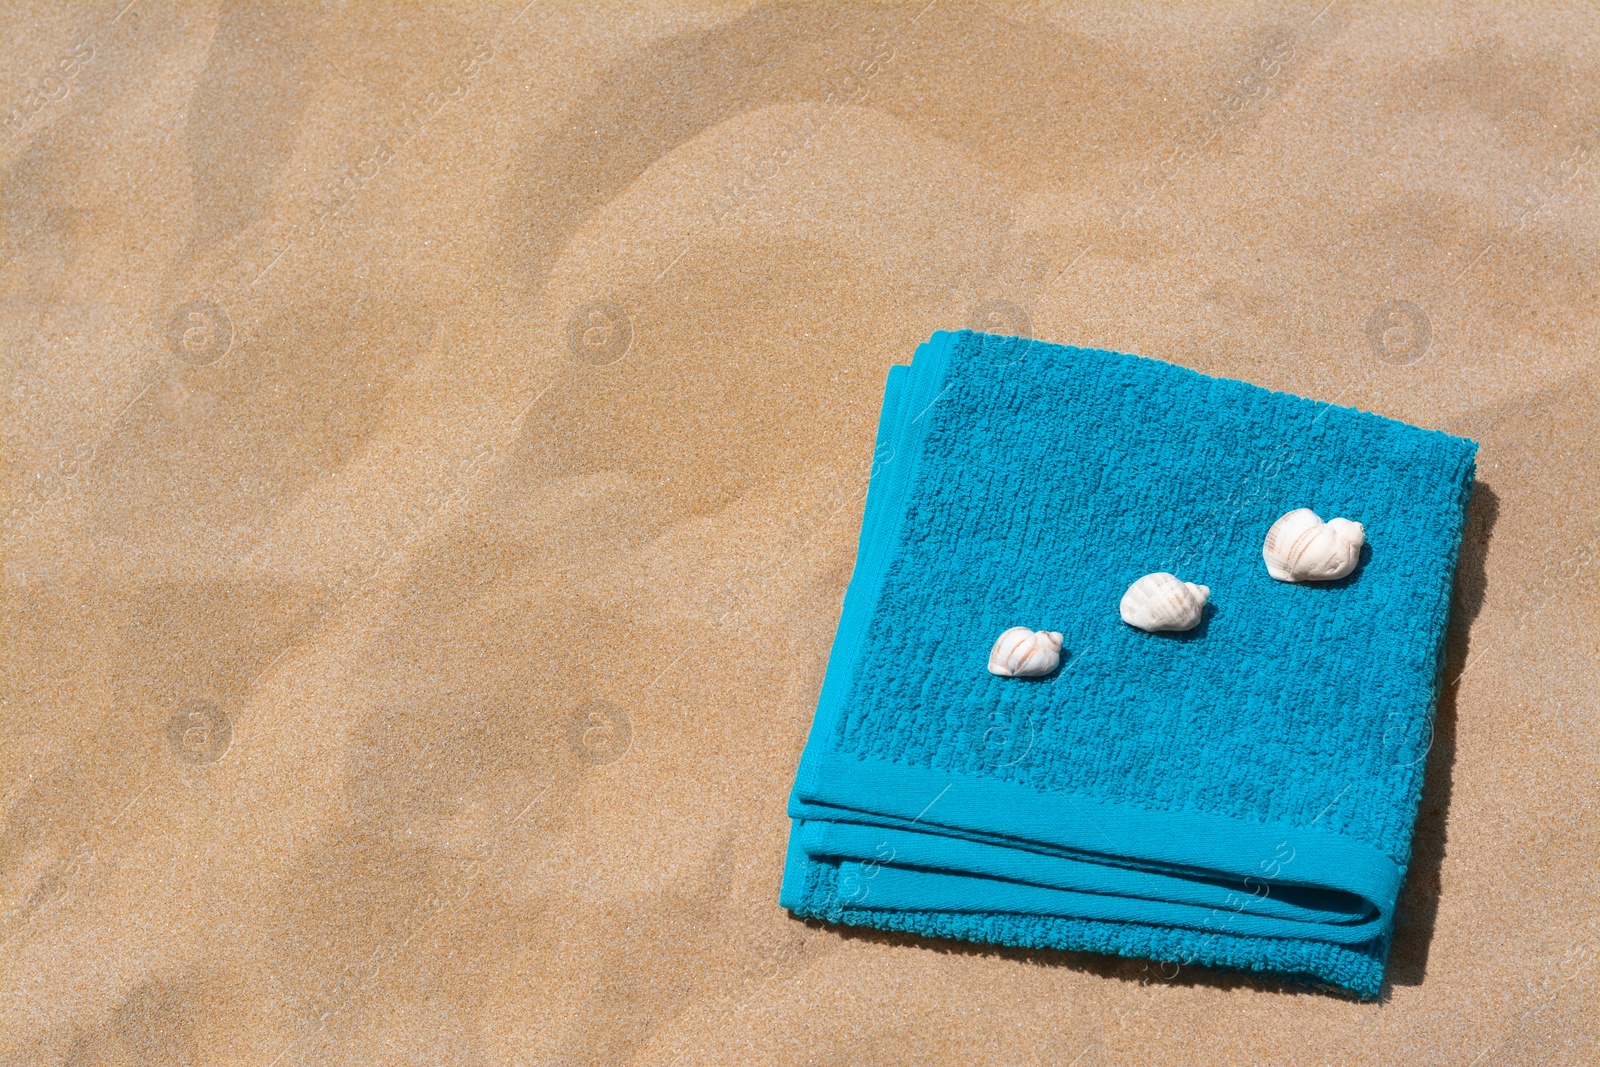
(1240, 795)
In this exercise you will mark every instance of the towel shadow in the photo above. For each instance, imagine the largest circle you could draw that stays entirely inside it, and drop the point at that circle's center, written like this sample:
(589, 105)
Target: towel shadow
(1419, 899)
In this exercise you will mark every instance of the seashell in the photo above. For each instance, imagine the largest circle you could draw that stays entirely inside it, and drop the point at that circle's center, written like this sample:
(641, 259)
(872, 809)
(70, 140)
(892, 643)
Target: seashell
(1302, 548)
(1024, 653)
(1160, 601)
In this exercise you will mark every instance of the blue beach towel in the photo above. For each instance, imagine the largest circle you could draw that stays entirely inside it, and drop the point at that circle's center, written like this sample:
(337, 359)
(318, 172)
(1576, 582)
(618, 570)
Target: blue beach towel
(1241, 795)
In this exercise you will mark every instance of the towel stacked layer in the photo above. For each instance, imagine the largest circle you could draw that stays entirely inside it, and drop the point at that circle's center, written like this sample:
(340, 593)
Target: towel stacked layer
(1240, 795)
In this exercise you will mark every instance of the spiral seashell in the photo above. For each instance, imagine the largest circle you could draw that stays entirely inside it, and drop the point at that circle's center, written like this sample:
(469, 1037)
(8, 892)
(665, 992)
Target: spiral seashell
(1024, 653)
(1302, 548)
(1160, 602)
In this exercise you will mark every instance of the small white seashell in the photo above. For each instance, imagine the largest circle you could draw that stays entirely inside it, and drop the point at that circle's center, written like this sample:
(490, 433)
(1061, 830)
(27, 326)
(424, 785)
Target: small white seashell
(1302, 548)
(1160, 601)
(1024, 653)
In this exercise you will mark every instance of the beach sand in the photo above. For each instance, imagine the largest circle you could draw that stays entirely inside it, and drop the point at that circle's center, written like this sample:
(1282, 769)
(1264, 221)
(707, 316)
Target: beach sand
(435, 440)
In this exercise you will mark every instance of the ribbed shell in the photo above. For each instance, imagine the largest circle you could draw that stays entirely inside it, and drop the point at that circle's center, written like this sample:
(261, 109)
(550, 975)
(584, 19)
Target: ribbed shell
(1161, 602)
(1300, 547)
(1024, 653)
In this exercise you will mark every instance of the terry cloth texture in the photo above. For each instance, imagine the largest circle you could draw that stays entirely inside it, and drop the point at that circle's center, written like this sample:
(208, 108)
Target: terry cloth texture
(1241, 795)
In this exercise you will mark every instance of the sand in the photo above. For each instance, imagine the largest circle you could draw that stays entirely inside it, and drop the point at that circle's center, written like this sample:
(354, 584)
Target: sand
(435, 439)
